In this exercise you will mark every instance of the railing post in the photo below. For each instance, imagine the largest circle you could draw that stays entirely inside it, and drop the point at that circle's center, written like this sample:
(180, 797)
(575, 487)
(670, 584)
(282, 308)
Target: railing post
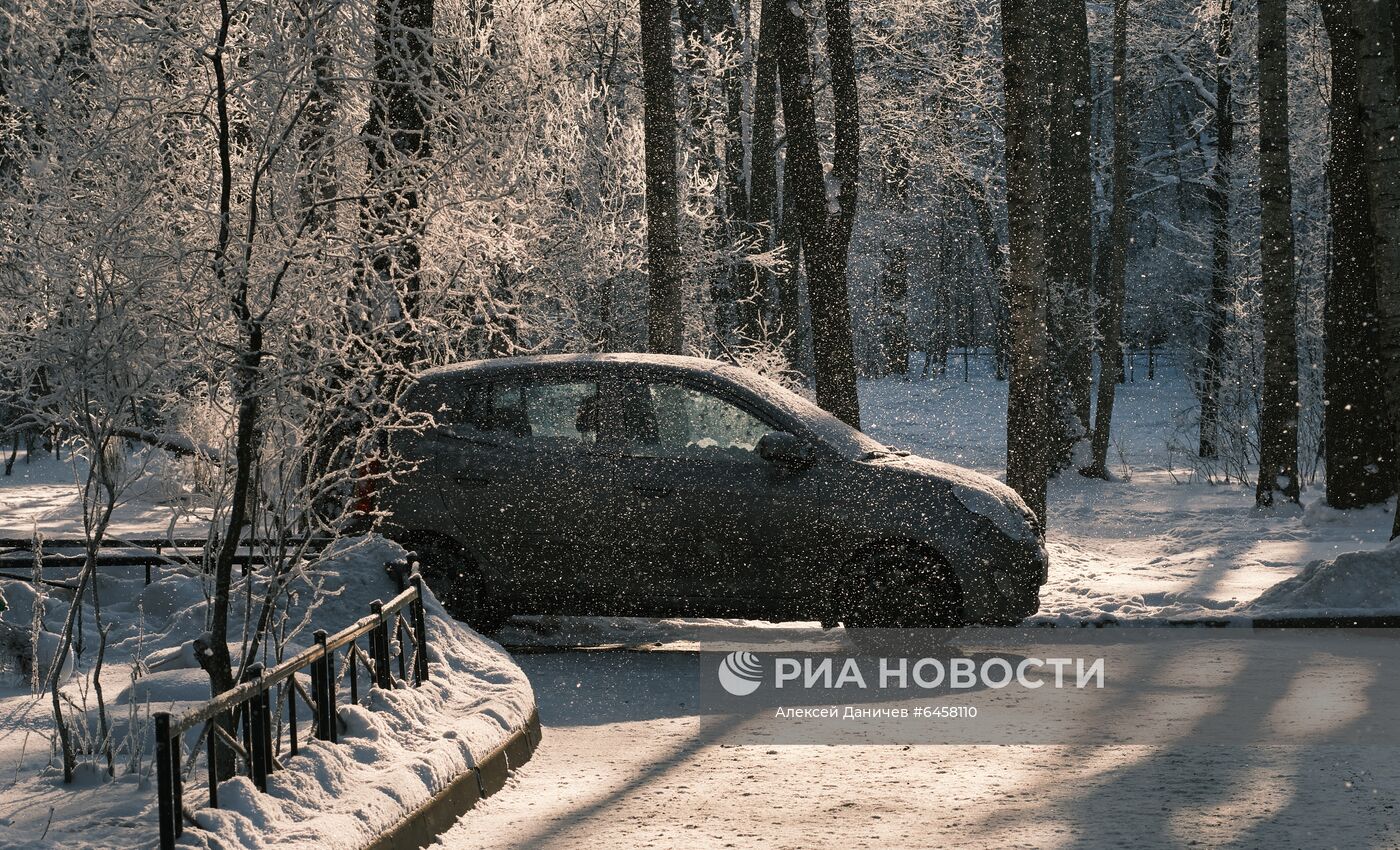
(352, 669)
(168, 807)
(222, 720)
(177, 784)
(255, 710)
(269, 762)
(324, 689)
(420, 630)
(374, 608)
(398, 636)
(379, 639)
(291, 715)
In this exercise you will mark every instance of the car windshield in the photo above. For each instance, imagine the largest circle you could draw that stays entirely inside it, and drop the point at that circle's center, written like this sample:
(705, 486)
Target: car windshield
(848, 441)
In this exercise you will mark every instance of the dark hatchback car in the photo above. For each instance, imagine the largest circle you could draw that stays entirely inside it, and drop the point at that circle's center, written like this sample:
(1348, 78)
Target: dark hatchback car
(643, 485)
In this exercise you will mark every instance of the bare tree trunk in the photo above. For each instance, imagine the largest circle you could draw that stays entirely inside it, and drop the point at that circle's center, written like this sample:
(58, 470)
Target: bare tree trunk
(763, 163)
(1219, 199)
(826, 236)
(893, 287)
(320, 185)
(1359, 461)
(216, 660)
(996, 263)
(1025, 37)
(705, 151)
(894, 306)
(1378, 70)
(1112, 292)
(1278, 419)
(664, 327)
(724, 30)
(397, 136)
(1069, 209)
(14, 448)
(788, 282)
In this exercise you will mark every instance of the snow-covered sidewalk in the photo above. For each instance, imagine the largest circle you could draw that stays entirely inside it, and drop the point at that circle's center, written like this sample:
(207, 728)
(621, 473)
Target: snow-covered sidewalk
(630, 764)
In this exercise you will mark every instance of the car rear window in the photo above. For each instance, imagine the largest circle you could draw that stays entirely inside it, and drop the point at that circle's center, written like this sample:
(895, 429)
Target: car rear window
(538, 414)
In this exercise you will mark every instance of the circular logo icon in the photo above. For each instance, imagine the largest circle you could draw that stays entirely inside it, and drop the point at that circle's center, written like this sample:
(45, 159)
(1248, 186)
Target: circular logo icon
(740, 673)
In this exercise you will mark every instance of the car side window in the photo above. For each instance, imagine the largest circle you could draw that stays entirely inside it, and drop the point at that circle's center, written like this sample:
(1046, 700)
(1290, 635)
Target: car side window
(531, 414)
(676, 421)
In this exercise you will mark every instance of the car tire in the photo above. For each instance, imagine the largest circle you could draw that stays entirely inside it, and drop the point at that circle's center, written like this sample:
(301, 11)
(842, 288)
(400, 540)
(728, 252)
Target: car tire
(452, 574)
(890, 589)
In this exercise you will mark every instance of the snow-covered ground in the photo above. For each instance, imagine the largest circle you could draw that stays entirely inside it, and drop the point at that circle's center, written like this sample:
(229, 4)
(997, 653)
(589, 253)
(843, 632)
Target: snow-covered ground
(1158, 544)
(629, 762)
(43, 495)
(396, 749)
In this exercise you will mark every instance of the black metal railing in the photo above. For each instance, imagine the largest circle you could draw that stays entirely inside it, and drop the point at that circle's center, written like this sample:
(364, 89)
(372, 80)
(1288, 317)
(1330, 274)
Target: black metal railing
(17, 553)
(246, 710)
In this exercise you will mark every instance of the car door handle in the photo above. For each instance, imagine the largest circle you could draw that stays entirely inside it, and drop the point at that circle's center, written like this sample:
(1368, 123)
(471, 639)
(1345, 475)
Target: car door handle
(653, 490)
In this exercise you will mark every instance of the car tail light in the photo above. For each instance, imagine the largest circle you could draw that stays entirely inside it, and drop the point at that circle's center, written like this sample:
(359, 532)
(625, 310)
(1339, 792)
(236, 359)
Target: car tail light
(366, 482)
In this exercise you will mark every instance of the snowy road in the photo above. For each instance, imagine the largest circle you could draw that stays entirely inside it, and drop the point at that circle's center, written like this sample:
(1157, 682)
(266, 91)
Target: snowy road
(626, 763)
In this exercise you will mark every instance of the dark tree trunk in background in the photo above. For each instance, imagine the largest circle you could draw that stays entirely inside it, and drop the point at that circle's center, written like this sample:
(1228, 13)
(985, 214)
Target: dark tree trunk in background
(1359, 454)
(894, 304)
(1112, 283)
(763, 161)
(1025, 38)
(826, 234)
(320, 185)
(704, 148)
(1278, 418)
(893, 285)
(1378, 73)
(1219, 198)
(664, 325)
(789, 282)
(10, 155)
(692, 15)
(1069, 240)
(996, 263)
(725, 32)
(397, 136)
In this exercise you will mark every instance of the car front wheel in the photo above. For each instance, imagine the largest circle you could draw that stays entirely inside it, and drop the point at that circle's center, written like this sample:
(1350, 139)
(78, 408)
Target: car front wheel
(899, 586)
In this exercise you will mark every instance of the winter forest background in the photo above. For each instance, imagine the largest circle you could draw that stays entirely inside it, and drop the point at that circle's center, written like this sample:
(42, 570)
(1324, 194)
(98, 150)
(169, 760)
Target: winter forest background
(235, 227)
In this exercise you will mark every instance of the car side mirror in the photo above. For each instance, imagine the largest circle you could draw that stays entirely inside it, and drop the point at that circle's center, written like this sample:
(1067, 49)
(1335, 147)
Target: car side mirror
(784, 448)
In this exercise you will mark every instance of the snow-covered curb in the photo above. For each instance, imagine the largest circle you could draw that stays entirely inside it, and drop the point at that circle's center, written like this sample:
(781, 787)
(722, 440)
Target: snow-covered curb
(441, 812)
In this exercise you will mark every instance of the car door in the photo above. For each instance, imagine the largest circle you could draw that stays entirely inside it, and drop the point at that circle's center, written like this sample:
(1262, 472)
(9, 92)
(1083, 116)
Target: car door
(528, 486)
(695, 500)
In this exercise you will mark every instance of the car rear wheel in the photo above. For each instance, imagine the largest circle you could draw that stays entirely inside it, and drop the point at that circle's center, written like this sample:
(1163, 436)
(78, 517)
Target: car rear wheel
(898, 587)
(452, 574)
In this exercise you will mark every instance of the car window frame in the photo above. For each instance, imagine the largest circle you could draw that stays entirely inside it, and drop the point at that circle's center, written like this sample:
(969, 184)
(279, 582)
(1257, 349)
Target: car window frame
(526, 377)
(696, 383)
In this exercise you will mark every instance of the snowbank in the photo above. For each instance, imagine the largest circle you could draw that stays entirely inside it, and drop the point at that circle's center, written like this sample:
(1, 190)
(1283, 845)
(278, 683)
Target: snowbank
(397, 749)
(1352, 584)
